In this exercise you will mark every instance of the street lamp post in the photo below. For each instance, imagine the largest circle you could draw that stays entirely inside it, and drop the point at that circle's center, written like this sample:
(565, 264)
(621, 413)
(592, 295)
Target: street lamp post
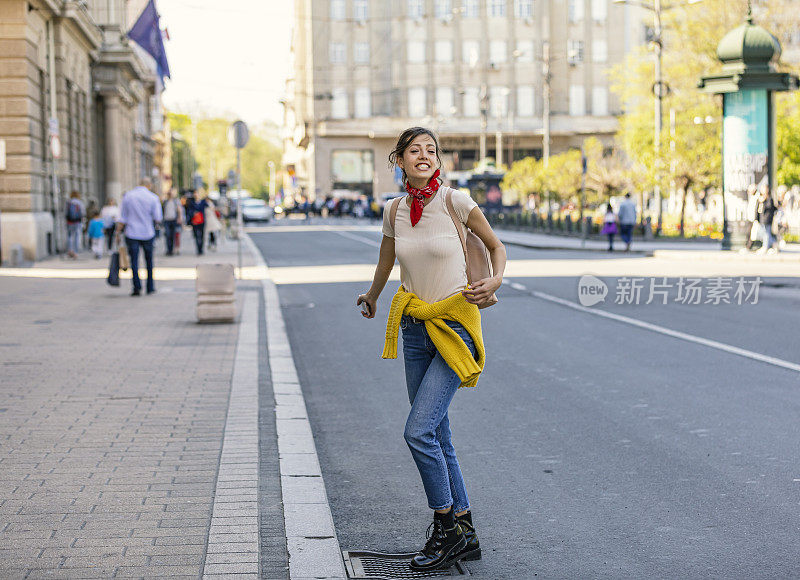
(271, 165)
(660, 90)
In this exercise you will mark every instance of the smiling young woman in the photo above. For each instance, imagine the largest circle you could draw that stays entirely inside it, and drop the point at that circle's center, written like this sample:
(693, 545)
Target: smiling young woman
(437, 311)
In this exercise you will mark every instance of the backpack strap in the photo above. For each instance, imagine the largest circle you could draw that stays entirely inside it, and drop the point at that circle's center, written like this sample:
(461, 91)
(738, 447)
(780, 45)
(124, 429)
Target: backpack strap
(448, 198)
(393, 210)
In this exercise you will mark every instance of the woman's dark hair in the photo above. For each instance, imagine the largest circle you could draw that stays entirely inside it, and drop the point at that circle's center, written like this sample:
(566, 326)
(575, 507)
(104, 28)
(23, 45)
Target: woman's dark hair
(609, 208)
(404, 142)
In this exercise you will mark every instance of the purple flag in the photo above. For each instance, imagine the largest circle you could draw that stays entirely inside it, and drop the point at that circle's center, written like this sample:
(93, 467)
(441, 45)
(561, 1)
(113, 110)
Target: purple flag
(147, 34)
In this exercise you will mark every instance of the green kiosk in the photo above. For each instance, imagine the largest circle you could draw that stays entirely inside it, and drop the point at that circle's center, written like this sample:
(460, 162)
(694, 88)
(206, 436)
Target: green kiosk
(747, 83)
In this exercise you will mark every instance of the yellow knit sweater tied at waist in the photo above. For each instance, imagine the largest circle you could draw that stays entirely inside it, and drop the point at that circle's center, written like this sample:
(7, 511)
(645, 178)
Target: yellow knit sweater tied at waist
(451, 346)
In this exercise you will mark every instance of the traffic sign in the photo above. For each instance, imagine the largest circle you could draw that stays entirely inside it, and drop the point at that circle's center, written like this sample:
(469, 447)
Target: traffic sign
(55, 146)
(238, 135)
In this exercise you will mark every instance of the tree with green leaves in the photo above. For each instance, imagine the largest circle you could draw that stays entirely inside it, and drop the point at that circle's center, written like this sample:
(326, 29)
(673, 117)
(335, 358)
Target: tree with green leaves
(215, 156)
(692, 33)
(525, 177)
(788, 138)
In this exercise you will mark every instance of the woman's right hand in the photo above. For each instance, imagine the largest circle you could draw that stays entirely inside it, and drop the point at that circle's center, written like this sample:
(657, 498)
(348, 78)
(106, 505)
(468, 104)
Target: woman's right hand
(371, 305)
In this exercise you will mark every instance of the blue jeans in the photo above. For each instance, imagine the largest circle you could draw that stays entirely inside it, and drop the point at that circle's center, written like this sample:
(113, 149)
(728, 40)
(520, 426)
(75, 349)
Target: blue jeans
(73, 237)
(133, 250)
(169, 235)
(431, 386)
(626, 232)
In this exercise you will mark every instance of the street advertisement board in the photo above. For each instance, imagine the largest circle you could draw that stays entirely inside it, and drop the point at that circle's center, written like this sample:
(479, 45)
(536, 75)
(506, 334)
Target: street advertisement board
(746, 147)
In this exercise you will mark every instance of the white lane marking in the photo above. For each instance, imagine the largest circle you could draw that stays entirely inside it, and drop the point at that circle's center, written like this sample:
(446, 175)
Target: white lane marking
(356, 238)
(518, 286)
(673, 333)
(314, 549)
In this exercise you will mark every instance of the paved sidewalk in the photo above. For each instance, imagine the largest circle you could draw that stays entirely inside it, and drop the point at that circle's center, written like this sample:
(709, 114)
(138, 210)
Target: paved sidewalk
(112, 420)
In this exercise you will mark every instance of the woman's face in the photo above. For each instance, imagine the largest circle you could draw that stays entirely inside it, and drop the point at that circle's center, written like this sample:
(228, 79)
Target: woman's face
(419, 159)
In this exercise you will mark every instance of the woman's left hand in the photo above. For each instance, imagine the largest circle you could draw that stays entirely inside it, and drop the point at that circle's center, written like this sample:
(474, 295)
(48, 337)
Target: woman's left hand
(481, 290)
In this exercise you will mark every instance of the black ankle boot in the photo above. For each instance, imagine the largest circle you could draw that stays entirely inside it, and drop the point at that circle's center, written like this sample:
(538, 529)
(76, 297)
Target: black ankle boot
(443, 545)
(472, 551)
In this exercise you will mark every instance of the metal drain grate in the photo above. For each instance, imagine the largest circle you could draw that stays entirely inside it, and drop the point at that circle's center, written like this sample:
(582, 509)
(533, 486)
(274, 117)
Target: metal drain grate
(378, 566)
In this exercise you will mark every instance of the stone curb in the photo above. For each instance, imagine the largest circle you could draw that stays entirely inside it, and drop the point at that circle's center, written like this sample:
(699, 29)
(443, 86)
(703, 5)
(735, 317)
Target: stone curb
(314, 550)
(729, 256)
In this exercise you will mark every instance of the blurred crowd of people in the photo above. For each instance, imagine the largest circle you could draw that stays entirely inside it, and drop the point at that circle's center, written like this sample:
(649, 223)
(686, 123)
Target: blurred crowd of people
(770, 215)
(360, 207)
(92, 227)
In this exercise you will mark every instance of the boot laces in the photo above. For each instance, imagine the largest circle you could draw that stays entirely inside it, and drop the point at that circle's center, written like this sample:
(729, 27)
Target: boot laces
(434, 534)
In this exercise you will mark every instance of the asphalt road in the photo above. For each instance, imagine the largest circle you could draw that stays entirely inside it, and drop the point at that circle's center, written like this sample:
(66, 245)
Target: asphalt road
(591, 448)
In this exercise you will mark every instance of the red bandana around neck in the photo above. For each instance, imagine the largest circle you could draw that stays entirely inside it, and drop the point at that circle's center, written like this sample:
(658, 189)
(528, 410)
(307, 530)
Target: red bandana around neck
(417, 196)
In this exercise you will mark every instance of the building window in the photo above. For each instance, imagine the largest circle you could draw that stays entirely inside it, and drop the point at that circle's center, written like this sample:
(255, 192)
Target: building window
(497, 51)
(363, 103)
(337, 53)
(360, 9)
(337, 9)
(416, 51)
(470, 52)
(416, 102)
(599, 10)
(574, 52)
(524, 52)
(416, 9)
(600, 101)
(525, 102)
(444, 101)
(576, 10)
(577, 101)
(523, 8)
(470, 8)
(599, 51)
(498, 101)
(443, 8)
(444, 51)
(497, 8)
(361, 53)
(472, 102)
(339, 104)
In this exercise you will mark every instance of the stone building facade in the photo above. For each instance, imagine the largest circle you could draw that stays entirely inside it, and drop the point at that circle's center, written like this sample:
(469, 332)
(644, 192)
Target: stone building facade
(67, 68)
(472, 70)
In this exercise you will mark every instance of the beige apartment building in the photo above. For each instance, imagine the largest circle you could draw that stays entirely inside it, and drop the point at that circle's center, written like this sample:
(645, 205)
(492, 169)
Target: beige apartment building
(68, 70)
(475, 71)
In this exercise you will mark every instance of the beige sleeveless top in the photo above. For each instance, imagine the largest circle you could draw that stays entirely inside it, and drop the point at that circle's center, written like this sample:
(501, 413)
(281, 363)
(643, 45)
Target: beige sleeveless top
(431, 259)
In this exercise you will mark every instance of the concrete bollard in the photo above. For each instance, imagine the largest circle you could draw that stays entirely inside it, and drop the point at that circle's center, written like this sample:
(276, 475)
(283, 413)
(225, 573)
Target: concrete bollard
(216, 299)
(17, 256)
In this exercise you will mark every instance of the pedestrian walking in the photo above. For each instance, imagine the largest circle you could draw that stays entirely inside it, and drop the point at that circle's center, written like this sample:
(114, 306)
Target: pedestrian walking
(173, 212)
(109, 215)
(197, 211)
(74, 214)
(751, 212)
(213, 224)
(96, 236)
(610, 226)
(627, 220)
(139, 215)
(766, 215)
(437, 311)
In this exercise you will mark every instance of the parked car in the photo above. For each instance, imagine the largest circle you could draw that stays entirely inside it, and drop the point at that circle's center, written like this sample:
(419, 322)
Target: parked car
(255, 210)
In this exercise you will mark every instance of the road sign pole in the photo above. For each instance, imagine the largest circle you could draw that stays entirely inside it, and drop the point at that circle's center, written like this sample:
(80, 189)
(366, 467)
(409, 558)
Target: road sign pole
(239, 219)
(238, 136)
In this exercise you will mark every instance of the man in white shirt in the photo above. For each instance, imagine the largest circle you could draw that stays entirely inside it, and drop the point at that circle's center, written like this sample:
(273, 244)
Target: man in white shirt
(139, 213)
(627, 219)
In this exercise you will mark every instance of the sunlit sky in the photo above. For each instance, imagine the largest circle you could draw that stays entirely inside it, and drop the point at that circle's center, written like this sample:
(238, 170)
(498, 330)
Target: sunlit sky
(227, 56)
